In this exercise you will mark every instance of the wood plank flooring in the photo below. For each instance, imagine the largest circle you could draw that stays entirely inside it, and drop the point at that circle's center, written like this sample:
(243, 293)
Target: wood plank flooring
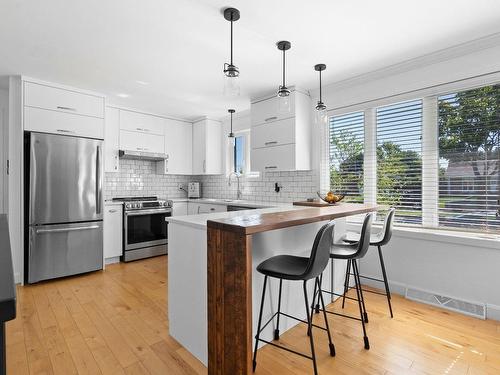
(115, 322)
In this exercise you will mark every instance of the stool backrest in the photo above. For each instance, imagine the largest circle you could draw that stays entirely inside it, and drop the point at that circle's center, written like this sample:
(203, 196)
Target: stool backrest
(320, 253)
(387, 228)
(364, 239)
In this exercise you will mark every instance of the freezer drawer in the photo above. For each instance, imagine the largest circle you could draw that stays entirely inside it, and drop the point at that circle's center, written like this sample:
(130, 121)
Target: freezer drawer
(64, 249)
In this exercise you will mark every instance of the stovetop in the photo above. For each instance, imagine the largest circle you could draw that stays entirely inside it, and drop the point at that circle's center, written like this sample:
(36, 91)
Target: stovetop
(134, 199)
(143, 203)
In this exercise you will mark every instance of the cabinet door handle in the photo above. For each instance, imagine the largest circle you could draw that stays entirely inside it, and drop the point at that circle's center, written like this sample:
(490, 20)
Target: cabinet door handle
(271, 167)
(66, 108)
(139, 148)
(204, 166)
(271, 118)
(140, 129)
(64, 131)
(112, 211)
(212, 209)
(271, 143)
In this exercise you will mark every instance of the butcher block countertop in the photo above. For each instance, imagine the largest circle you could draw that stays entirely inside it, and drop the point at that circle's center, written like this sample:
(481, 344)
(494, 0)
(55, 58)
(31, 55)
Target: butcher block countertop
(249, 223)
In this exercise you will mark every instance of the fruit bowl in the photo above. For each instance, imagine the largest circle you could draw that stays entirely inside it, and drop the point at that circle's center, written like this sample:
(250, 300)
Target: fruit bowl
(330, 198)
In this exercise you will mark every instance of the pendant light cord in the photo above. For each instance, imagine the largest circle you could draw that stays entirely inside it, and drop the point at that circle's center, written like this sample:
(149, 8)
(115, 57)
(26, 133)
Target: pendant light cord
(231, 40)
(231, 122)
(320, 99)
(283, 67)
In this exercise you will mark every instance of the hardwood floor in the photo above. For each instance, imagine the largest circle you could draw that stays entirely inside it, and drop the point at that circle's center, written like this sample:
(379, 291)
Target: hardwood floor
(115, 322)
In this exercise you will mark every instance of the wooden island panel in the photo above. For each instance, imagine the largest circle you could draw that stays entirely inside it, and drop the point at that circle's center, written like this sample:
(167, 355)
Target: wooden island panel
(229, 279)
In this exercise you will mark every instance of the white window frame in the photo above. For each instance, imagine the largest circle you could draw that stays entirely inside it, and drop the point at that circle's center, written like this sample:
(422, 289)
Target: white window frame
(430, 146)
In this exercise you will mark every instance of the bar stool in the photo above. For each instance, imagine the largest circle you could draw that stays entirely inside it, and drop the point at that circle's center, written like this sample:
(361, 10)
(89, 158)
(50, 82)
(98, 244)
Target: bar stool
(351, 252)
(377, 239)
(295, 268)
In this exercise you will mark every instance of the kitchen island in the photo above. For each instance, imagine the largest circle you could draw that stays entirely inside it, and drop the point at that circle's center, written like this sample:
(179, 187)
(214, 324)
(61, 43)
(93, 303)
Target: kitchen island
(213, 298)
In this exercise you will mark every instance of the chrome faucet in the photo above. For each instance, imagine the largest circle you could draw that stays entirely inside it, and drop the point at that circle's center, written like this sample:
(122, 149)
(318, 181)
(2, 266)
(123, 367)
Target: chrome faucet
(238, 191)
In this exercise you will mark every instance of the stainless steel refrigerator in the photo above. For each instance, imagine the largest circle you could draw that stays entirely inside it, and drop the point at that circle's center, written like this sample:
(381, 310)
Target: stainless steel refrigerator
(64, 205)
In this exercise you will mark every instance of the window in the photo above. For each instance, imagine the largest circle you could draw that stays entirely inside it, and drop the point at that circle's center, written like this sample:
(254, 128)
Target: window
(346, 155)
(469, 159)
(399, 159)
(239, 154)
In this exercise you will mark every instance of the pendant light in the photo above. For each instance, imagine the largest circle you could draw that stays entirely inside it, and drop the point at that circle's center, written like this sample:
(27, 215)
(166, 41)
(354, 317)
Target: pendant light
(283, 91)
(321, 114)
(231, 136)
(231, 72)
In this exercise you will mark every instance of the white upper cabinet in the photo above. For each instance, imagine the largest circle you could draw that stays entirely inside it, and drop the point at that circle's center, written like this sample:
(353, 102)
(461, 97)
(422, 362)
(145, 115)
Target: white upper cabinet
(135, 141)
(111, 139)
(63, 111)
(139, 122)
(178, 148)
(281, 141)
(207, 147)
(62, 100)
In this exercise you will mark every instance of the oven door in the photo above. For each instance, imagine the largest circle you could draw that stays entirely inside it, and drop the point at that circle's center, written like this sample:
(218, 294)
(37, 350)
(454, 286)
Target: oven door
(145, 228)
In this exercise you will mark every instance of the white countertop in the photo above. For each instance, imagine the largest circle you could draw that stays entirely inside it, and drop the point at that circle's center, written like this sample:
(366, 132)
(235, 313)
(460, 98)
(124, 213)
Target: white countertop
(230, 202)
(200, 221)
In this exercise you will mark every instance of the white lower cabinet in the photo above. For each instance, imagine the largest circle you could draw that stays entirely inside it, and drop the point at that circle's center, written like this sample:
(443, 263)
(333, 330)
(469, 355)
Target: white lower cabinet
(204, 208)
(179, 208)
(112, 235)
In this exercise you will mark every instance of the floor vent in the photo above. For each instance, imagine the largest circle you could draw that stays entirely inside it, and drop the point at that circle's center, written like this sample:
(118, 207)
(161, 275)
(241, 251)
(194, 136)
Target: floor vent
(477, 310)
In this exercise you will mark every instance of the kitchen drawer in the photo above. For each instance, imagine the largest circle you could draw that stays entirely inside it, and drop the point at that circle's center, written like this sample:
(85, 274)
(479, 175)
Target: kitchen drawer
(278, 158)
(134, 141)
(266, 111)
(274, 134)
(138, 122)
(47, 97)
(45, 121)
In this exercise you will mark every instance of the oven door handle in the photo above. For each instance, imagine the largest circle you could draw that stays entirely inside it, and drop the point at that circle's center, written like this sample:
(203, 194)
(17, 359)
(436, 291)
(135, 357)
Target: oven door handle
(147, 212)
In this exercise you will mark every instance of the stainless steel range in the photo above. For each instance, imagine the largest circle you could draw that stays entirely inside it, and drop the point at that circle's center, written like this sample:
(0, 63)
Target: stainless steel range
(145, 231)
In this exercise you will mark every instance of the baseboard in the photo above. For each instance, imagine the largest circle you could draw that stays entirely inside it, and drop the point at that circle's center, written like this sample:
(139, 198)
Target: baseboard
(492, 311)
(112, 260)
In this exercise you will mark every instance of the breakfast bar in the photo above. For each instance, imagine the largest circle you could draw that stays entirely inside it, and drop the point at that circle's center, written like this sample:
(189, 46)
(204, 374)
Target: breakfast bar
(229, 278)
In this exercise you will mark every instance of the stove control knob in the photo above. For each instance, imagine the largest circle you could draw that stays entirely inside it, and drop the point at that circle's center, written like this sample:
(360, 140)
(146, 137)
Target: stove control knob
(128, 205)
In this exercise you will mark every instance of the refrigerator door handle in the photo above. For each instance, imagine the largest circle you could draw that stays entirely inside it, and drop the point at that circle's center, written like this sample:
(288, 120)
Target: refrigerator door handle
(98, 180)
(69, 229)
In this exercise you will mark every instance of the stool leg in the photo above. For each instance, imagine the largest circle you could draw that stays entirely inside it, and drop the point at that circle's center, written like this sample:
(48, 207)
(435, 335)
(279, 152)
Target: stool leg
(277, 330)
(386, 283)
(365, 314)
(260, 323)
(309, 324)
(360, 298)
(316, 308)
(347, 281)
(330, 342)
(314, 305)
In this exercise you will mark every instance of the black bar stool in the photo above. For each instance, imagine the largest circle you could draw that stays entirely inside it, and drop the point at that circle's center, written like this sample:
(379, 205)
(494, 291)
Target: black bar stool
(377, 239)
(351, 252)
(295, 268)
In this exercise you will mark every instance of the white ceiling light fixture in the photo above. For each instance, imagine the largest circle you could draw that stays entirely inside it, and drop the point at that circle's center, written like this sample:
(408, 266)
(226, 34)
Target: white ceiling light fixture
(231, 72)
(321, 114)
(283, 91)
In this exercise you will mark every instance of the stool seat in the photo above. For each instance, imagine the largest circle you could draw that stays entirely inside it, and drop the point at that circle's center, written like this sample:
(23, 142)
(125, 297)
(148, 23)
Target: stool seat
(288, 267)
(344, 251)
(352, 237)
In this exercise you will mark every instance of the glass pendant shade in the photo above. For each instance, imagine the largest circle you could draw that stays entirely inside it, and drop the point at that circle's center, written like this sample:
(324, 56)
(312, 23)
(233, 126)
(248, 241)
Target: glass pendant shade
(284, 103)
(321, 116)
(230, 137)
(231, 85)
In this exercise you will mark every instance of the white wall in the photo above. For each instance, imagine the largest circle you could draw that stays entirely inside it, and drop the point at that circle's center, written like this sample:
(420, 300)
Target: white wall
(461, 269)
(4, 121)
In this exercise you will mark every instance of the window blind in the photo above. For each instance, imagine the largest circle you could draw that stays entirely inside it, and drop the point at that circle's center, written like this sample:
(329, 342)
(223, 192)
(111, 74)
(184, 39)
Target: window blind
(469, 159)
(399, 159)
(346, 155)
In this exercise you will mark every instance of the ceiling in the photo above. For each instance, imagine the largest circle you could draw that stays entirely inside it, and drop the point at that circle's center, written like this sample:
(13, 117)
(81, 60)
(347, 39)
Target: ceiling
(167, 56)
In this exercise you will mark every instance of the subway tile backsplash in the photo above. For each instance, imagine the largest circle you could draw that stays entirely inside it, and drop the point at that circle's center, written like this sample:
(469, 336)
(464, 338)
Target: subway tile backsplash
(139, 178)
